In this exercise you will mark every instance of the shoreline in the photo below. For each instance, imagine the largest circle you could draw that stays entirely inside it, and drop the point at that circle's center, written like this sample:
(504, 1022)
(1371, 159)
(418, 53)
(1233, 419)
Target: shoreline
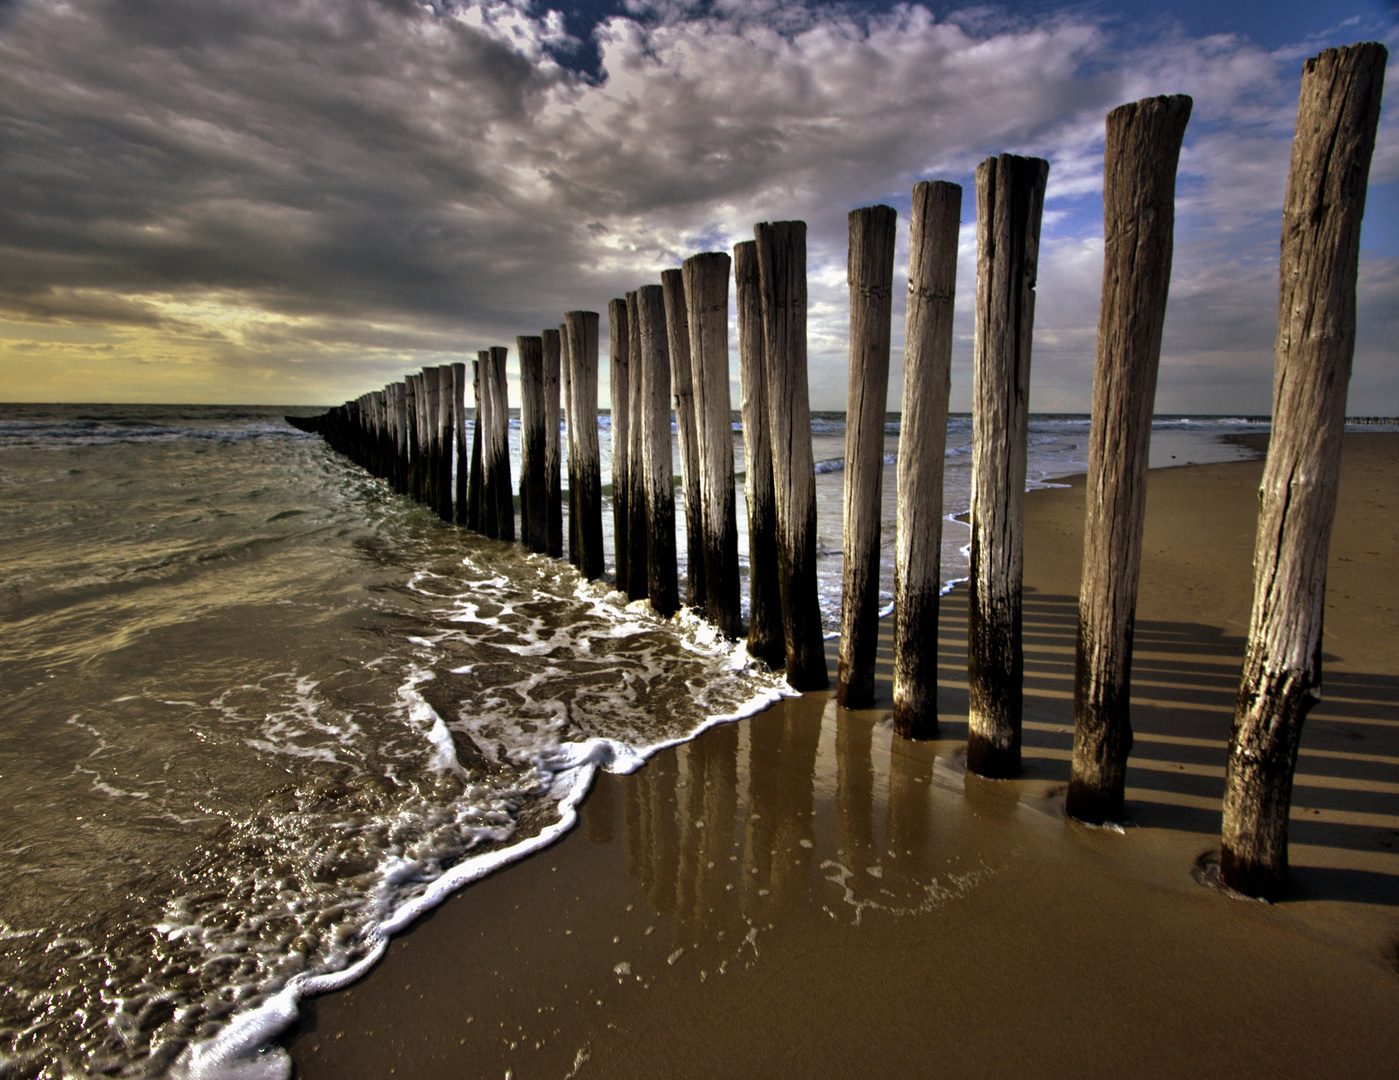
(853, 902)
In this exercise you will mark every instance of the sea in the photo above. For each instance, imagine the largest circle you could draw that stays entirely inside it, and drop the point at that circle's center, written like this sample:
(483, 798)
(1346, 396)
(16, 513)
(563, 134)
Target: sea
(259, 712)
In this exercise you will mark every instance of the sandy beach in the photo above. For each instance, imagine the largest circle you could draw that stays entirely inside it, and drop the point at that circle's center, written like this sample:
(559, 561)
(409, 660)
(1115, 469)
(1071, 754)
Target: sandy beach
(802, 894)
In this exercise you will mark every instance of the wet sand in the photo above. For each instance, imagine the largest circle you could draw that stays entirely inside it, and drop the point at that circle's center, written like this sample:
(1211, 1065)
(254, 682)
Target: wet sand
(802, 894)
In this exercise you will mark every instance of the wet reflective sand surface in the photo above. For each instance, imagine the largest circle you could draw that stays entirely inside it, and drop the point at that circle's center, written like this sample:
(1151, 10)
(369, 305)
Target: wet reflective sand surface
(803, 894)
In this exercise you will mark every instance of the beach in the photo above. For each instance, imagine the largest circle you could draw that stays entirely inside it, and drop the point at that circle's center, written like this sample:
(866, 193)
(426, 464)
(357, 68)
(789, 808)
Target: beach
(800, 893)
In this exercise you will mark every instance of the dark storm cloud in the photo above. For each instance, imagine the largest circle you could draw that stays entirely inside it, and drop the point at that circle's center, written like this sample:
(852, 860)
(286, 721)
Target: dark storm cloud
(401, 178)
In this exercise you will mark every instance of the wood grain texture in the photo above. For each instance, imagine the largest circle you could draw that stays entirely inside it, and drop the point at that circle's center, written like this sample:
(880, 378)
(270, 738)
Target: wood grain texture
(1009, 206)
(570, 453)
(446, 443)
(1337, 116)
(463, 462)
(475, 495)
(490, 501)
(619, 346)
(637, 574)
(582, 350)
(932, 290)
(782, 284)
(870, 275)
(1139, 179)
(765, 635)
(661, 575)
(534, 511)
(682, 388)
(553, 463)
(500, 445)
(706, 280)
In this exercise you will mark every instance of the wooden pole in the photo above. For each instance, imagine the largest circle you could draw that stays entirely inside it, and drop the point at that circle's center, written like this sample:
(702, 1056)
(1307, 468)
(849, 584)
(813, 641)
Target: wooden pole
(662, 584)
(619, 346)
(637, 529)
(432, 438)
(490, 499)
(1337, 115)
(476, 517)
(870, 272)
(682, 386)
(446, 443)
(410, 408)
(534, 512)
(706, 280)
(782, 280)
(400, 419)
(570, 436)
(459, 437)
(1139, 182)
(765, 638)
(932, 290)
(553, 494)
(1009, 205)
(582, 353)
(500, 442)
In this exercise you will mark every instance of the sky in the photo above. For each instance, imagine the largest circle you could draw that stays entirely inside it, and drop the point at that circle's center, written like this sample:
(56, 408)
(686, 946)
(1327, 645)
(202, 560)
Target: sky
(236, 201)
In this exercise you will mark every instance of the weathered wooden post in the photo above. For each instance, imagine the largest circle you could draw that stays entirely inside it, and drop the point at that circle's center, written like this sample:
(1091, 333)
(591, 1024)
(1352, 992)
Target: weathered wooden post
(490, 500)
(706, 280)
(446, 443)
(400, 419)
(870, 273)
(619, 346)
(500, 443)
(1139, 183)
(932, 290)
(534, 512)
(410, 406)
(582, 353)
(662, 584)
(682, 388)
(1337, 115)
(428, 404)
(571, 453)
(1009, 205)
(459, 437)
(782, 280)
(553, 479)
(765, 639)
(637, 529)
(476, 518)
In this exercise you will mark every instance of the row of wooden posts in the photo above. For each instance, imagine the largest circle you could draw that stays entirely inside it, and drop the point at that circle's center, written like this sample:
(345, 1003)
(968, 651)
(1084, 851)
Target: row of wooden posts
(670, 349)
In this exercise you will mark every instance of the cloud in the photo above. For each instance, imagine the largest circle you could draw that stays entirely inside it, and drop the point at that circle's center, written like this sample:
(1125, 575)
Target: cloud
(333, 192)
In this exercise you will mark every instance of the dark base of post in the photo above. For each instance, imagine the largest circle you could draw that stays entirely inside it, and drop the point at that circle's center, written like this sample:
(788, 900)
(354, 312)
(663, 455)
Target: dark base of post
(1260, 880)
(913, 723)
(987, 759)
(1093, 806)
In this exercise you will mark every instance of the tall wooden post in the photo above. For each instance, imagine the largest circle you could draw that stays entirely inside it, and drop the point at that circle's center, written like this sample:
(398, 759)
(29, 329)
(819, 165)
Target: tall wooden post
(400, 417)
(490, 499)
(765, 638)
(410, 408)
(932, 291)
(1337, 115)
(570, 449)
(706, 280)
(459, 437)
(582, 352)
(446, 443)
(637, 528)
(682, 388)
(870, 272)
(534, 514)
(432, 438)
(662, 583)
(1139, 184)
(553, 479)
(1009, 205)
(500, 440)
(782, 279)
(475, 497)
(619, 346)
